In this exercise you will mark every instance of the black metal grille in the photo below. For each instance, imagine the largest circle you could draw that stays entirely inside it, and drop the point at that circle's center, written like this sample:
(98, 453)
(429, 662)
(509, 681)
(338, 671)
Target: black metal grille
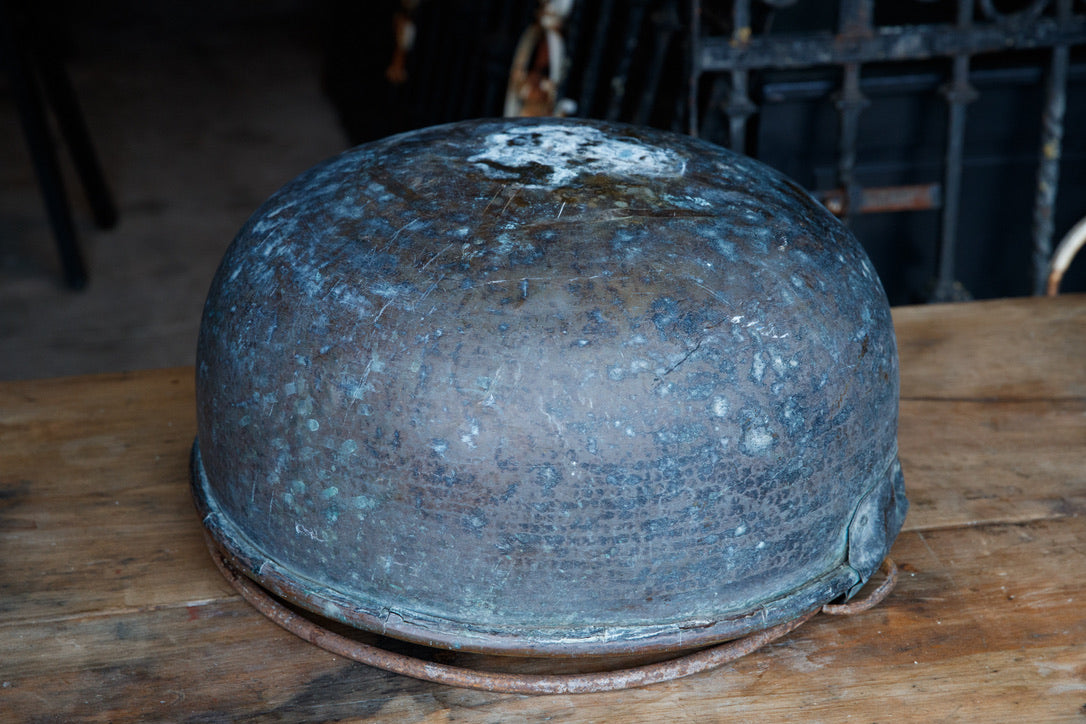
(1044, 24)
(806, 86)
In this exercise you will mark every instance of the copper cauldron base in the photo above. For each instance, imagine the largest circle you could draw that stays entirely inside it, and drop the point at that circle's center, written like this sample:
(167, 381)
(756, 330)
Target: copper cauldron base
(687, 664)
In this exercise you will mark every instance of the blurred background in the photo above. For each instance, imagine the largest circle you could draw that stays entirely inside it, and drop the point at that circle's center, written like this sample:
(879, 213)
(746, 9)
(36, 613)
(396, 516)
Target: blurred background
(953, 145)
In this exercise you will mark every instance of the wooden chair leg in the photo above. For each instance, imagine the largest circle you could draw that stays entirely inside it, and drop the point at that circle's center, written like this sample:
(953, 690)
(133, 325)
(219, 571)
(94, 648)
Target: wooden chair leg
(38, 78)
(61, 97)
(43, 154)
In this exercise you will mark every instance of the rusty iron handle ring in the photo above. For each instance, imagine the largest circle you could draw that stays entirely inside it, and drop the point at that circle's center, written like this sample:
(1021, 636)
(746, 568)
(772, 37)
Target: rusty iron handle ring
(686, 665)
(889, 569)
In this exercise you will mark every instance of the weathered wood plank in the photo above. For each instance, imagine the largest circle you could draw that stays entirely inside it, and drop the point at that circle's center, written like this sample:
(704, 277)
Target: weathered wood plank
(980, 462)
(97, 468)
(982, 624)
(94, 496)
(1000, 349)
(111, 610)
(127, 536)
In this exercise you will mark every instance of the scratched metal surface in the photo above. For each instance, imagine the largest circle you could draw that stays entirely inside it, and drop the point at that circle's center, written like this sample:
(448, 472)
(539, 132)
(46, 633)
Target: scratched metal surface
(549, 387)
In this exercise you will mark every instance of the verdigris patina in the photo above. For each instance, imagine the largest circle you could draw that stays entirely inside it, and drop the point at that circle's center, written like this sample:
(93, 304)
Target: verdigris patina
(549, 386)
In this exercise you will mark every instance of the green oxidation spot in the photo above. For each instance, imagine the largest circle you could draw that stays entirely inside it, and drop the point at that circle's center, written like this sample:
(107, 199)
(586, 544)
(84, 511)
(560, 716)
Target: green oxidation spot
(691, 414)
(344, 452)
(363, 502)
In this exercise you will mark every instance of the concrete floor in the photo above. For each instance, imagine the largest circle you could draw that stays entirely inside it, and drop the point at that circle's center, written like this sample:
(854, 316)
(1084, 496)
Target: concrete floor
(195, 126)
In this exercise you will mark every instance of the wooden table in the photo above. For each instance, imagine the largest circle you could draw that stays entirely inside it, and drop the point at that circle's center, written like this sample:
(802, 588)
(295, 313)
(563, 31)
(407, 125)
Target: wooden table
(111, 609)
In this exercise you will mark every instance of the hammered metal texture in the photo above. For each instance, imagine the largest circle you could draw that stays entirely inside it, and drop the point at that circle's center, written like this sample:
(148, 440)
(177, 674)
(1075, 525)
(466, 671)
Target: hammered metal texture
(549, 386)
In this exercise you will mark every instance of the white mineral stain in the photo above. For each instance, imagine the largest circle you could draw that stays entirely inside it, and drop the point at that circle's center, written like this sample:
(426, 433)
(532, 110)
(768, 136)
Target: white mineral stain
(468, 438)
(720, 407)
(693, 201)
(358, 391)
(308, 533)
(757, 367)
(568, 151)
(757, 440)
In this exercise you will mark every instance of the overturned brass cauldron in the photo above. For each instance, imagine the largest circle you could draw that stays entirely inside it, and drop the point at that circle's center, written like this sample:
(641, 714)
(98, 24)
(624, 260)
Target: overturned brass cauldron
(548, 387)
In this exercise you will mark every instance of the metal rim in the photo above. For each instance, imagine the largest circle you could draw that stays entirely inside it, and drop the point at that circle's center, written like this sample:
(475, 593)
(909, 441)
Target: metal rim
(682, 666)
(245, 556)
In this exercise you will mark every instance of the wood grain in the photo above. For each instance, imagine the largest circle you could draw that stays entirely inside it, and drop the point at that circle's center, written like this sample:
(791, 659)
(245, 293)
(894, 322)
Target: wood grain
(110, 609)
(95, 495)
(969, 463)
(993, 401)
(978, 610)
(994, 350)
